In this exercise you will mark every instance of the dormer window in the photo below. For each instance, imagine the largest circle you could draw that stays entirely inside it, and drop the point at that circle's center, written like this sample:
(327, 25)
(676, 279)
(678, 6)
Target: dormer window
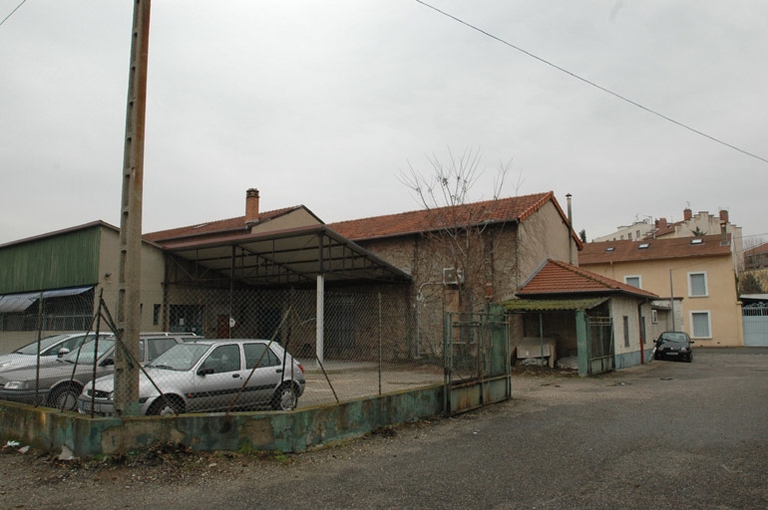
(610, 249)
(644, 246)
(697, 240)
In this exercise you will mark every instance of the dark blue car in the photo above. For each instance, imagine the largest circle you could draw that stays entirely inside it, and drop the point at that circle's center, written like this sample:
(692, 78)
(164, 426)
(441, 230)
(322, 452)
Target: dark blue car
(674, 345)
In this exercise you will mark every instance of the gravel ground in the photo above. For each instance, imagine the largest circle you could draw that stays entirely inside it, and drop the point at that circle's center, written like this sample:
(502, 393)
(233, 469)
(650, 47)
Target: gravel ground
(665, 435)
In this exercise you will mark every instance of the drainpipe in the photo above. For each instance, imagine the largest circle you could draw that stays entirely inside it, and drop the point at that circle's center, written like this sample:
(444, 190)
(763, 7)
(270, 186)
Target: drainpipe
(672, 299)
(570, 231)
(641, 329)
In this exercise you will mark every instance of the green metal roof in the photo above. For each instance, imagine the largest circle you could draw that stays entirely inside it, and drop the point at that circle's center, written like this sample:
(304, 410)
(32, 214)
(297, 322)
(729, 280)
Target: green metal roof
(544, 305)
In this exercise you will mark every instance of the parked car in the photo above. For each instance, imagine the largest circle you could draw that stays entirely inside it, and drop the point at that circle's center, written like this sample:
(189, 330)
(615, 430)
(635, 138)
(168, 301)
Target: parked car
(50, 348)
(674, 345)
(60, 383)
(207, 376)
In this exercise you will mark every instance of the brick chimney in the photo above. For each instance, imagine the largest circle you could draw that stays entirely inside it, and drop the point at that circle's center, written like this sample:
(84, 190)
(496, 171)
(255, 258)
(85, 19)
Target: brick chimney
(687, 214)
(661, 223)
(251, 205)
(723, 228)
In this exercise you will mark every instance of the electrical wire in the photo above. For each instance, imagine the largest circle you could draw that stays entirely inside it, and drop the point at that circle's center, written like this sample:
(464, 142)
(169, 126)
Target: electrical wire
(13, 11)
(595, 85)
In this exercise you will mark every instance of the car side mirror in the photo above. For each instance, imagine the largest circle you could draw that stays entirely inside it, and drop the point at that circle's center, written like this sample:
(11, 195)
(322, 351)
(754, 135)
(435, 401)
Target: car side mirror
(62, 352)
(107, 362)
(205, 371)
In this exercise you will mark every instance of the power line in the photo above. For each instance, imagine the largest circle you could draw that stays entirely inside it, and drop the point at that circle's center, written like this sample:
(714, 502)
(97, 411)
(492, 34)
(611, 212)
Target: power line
(11, 14)
(595, 85)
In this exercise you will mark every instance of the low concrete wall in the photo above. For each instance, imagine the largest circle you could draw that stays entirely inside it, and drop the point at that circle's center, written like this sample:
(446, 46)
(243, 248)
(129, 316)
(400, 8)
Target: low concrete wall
(51, 430)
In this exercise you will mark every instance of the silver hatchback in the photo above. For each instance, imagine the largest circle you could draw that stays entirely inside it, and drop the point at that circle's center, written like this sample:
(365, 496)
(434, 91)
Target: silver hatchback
(59, 383)
(206, 376)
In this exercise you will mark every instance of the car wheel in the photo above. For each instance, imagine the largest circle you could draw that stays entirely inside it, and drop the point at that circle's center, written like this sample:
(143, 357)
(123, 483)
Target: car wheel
(690, 357)
(64, 397)
(286, 398)
(166, 406)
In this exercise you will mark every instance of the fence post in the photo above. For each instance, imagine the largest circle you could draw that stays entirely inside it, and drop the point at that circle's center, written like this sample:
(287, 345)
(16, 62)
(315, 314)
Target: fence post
(380, 342)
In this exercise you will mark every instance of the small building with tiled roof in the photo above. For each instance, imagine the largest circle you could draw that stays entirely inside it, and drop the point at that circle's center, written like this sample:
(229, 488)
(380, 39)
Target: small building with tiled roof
(696, 275)
(602, 322)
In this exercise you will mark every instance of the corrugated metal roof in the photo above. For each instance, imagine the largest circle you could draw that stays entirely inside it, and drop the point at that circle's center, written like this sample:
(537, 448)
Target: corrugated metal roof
(63, 259)
(288, 257)
(11, 303)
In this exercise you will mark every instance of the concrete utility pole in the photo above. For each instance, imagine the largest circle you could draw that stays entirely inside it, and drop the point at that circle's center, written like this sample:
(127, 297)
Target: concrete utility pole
(129, 298)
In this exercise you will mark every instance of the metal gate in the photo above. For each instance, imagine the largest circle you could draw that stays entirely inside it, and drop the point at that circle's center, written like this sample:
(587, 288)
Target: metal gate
(477, 368)
(755, 320)
(600, 345)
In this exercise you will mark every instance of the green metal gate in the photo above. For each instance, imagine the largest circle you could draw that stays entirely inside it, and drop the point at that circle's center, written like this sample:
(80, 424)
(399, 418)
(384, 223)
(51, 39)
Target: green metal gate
(477, 354)
(600, 347)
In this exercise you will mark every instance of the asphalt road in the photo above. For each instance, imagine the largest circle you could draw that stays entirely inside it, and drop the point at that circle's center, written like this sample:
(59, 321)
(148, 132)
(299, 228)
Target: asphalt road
(668, 435)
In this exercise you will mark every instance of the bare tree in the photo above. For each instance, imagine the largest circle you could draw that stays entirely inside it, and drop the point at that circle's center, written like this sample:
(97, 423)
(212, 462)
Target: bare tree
(463, 234)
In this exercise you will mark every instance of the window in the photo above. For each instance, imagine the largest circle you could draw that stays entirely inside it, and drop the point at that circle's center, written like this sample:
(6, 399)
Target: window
(654, 316)
(701, 325)
(156, 315)
(629, 236)
(223, 359)
(259, 352)
(626, 331)
(697, 284)
(157, 346)
(634, 281)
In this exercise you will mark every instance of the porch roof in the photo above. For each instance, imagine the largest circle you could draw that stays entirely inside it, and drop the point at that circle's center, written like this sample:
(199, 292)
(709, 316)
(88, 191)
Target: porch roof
(552, 305)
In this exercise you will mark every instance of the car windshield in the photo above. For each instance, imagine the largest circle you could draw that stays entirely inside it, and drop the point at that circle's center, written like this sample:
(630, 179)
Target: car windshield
(677, 338)
(180, 357)
(45, 343)
(85, 354)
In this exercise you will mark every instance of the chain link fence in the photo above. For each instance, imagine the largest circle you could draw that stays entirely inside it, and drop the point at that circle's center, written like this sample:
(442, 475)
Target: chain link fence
(25, 317)
(374, 342)
(369, 344)
(40, 339)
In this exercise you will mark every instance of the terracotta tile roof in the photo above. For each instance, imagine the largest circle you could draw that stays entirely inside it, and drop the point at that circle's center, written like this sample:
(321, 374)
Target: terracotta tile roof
(412, 222)
(652, 249)
(757, 250)
(669, 229)
(211, 228)
(559, 278)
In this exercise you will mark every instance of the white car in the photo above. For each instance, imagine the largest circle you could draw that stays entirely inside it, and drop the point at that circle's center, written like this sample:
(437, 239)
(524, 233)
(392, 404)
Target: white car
(58, 384)
(208, 375)
(51, 348)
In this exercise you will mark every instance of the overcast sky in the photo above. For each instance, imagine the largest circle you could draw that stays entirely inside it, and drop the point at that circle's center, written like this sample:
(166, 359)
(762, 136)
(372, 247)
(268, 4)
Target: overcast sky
(324, 103)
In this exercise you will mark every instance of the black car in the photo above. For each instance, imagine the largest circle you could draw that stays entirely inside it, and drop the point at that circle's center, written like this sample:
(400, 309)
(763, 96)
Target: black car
(674, 345)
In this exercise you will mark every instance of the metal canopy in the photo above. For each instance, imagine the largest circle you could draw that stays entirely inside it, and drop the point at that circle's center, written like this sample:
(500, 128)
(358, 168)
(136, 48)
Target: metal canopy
(550, 305)
(286, 258)
(11, 303)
